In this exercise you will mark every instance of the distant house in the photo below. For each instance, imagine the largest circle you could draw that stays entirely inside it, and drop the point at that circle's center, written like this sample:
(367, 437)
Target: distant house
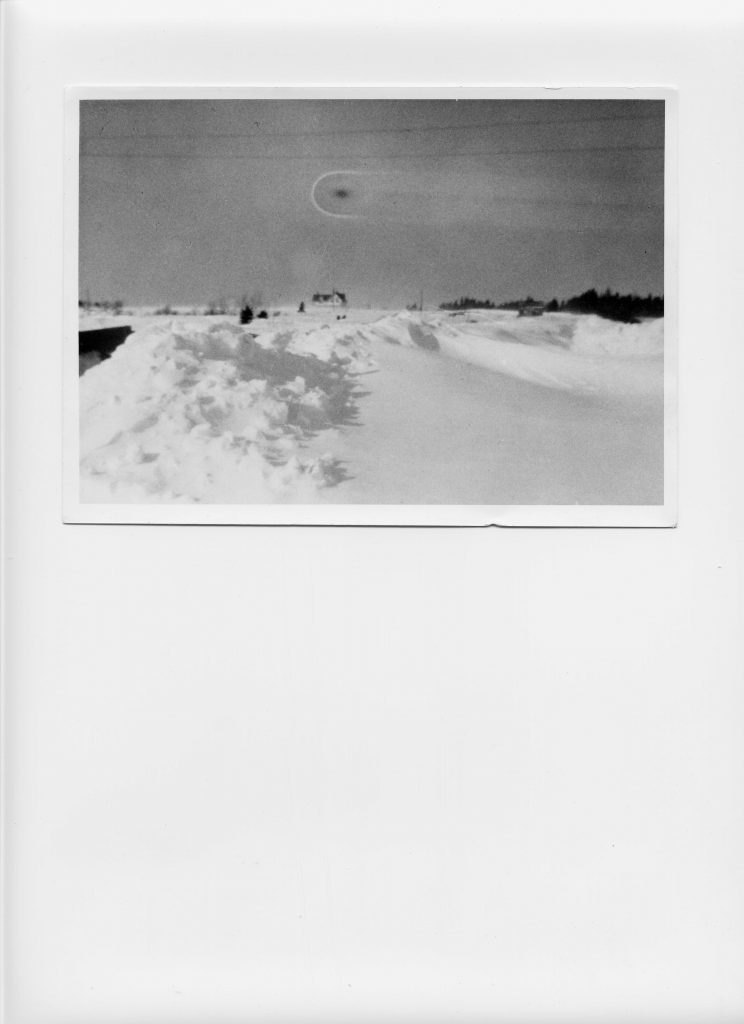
(334, 298)
(532, 308)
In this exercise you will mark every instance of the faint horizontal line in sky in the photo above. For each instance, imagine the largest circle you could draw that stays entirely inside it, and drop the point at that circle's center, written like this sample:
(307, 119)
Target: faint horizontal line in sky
(131, 154)
(388, 131)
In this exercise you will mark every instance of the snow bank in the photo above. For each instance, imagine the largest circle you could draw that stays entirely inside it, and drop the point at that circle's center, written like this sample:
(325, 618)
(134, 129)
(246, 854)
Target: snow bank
(199, 409)
(188, 412)
(561, 350)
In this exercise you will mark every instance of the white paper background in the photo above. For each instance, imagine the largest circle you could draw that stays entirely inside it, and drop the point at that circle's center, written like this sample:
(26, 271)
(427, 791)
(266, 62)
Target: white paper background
(385, 774)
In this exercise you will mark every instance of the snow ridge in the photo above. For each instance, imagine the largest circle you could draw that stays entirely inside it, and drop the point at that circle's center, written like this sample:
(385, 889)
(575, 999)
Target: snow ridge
(182, 413)
(559, 350)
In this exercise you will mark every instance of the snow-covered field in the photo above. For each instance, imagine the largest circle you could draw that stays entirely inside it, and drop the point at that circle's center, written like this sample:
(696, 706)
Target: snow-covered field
(483, 407)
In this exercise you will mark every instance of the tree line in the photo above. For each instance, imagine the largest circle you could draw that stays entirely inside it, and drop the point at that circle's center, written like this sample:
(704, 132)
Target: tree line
(466, 303)
(610, 305)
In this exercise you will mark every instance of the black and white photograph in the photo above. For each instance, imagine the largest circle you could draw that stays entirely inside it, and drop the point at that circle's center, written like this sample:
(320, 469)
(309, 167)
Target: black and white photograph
(372, 301)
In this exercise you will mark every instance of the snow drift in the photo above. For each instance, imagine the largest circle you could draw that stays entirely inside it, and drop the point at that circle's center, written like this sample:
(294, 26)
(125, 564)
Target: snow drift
(484, 407)
(561, 350)
(184, 413)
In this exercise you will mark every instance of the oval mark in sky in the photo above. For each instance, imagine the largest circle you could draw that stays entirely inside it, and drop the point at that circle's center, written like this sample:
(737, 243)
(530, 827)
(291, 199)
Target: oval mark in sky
(340, 194)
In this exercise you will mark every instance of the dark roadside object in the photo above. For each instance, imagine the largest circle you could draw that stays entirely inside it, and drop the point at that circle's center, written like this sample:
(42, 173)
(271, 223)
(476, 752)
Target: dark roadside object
(104, 340)
(263, 315)
(302, 308)
(246, 315)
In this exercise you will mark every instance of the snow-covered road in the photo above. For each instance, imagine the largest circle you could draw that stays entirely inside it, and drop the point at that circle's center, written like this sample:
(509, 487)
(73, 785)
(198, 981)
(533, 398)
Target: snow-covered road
(440, 431)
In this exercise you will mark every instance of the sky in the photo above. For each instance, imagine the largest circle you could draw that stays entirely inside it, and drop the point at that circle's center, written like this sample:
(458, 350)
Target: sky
(190, 201)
